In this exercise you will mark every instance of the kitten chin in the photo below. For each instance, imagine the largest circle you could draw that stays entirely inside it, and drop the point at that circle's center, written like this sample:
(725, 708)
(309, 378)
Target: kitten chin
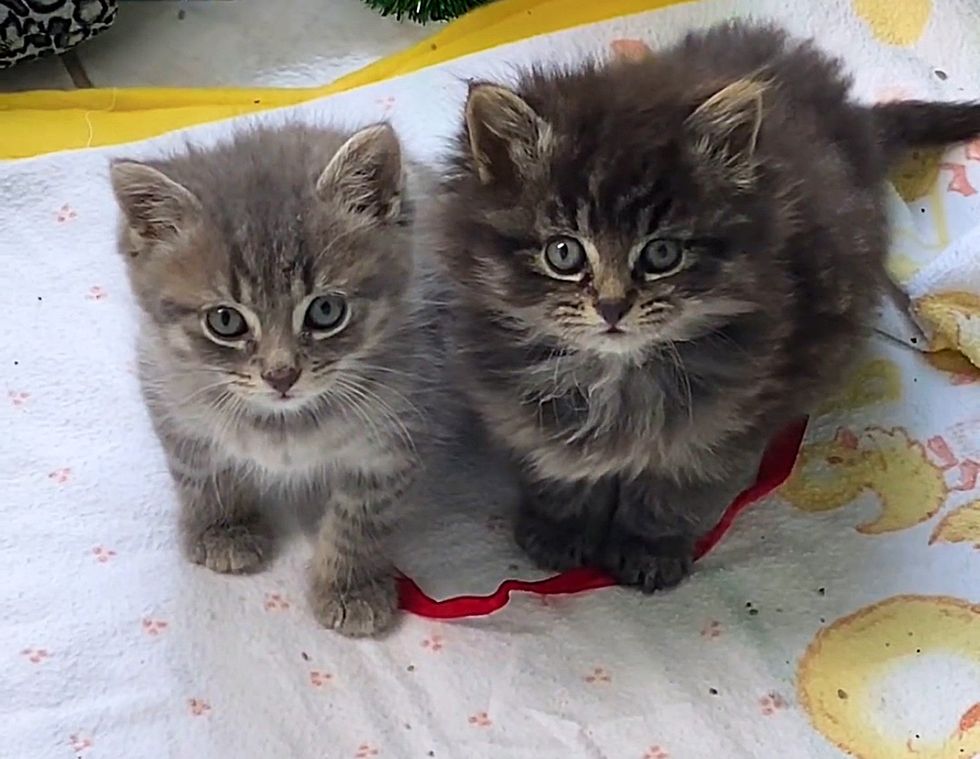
(620, 346)
(288, 353)
(721, 204)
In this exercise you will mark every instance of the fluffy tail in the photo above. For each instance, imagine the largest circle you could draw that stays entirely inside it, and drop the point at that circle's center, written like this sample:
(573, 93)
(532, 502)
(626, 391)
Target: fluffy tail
(908, 124)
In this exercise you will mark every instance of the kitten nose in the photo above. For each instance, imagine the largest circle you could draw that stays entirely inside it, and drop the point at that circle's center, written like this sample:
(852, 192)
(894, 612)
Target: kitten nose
(612, 310)
(281, 378)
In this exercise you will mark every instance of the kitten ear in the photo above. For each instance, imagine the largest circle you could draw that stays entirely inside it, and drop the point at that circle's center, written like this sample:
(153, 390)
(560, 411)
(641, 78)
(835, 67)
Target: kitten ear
(366, 174)
(507, 137)
(156, 208)
(726, 125)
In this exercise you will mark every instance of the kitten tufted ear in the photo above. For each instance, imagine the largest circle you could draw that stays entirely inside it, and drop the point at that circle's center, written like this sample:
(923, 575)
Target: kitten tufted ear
(366, 174)
(726, 126)
(157, 209)
(507, 137)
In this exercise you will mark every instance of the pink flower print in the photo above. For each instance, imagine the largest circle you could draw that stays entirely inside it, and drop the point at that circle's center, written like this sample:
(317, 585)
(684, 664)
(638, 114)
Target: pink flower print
(365, 750)
(18, 398)
(79, 743)
(433, 643)
(154, 627)
(199, 707)
(772, 703)
(939, 448)
(656, 752)
(962, 378)
(630, 50)
(973, 150)
(711, 630)
(60, 476)
(96, 293)
(960, 182)
(969, 470)
(969, 474)
(893, 93)
(598, 675)
(275, 602)
(36, 655)
(480, 719)
(66, 213)
(318, 679)
(102, 554)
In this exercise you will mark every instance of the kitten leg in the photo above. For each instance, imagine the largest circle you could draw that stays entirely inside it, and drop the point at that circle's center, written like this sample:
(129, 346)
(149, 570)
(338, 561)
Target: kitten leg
(220, 523)
(353, 586)
(560, 525)
(657, 522)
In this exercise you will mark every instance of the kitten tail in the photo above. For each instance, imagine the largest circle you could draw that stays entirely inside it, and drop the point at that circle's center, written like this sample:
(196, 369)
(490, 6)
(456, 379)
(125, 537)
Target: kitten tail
(907, 124)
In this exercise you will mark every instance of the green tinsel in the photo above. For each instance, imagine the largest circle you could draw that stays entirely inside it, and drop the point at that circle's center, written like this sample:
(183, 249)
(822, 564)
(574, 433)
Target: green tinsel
(424, 10)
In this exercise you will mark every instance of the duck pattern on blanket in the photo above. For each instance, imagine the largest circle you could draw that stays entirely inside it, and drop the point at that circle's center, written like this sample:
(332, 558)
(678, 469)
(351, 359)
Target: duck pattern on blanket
(839, 616)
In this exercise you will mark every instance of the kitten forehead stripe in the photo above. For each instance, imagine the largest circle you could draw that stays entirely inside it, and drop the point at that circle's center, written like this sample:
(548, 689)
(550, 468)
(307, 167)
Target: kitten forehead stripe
(634, 409)
(290, 415)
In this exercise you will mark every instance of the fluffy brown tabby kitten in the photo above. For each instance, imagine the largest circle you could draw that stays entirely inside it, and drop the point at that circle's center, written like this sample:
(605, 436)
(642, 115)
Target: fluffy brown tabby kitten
(282, 348)
(659, 263)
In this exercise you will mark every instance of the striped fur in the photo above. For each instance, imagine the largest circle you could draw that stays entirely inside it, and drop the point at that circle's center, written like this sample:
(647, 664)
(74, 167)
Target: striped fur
(262, 223)
(742, 145)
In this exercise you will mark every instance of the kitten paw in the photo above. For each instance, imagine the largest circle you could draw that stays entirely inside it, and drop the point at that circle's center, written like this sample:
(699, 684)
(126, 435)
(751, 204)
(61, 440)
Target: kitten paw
(231, 549)
(553, 545)
(650, 564)
(358, 612)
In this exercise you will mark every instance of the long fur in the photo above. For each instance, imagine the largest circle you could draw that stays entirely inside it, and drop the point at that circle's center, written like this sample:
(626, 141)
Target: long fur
(742, 143)
(261, 224)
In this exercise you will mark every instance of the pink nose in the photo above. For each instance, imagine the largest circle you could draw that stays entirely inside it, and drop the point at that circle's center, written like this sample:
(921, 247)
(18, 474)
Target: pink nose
(281, 378)
(612, 310)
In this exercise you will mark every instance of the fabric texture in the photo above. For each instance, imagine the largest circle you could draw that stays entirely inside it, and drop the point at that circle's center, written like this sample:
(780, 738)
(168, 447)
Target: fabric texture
(31, 29)
(33, 123)
(838, 617)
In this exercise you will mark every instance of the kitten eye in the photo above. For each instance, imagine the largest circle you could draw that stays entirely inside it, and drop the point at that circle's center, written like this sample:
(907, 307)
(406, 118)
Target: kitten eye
(325, 313)
(565, 256)
(225, 322)
(660, 256)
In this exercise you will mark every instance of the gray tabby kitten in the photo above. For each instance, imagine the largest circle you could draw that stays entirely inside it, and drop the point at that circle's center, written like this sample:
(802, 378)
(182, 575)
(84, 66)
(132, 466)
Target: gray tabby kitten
(281, 349)
(659, 264)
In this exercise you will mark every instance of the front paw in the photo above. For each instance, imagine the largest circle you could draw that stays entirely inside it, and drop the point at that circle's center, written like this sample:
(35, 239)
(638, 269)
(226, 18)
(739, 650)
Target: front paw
(237, 548)
(649, 563)
(363, 610)
(552, 544)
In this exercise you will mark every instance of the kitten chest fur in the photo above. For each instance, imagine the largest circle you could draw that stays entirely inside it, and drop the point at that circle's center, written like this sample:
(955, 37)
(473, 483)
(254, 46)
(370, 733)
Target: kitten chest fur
(281, 452)
(583, 419)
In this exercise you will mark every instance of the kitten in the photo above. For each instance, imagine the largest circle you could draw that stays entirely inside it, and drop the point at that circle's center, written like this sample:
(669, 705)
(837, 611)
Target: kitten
(281, 349)
(659, 263)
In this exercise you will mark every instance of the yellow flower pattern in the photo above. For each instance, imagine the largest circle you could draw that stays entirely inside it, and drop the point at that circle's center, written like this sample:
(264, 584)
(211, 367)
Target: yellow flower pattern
(842, 674)
(894, 23)
(896, 469)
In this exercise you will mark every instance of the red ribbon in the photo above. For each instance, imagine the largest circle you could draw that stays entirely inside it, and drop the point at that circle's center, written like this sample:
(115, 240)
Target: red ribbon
(775, 467)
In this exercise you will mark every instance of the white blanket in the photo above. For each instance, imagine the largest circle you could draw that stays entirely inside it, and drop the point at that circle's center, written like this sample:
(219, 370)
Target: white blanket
(835, 618)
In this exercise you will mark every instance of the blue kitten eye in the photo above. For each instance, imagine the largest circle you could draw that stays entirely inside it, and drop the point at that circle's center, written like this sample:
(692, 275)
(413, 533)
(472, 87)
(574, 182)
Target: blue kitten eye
(660, 256)
(325, 313)
(225, 322)
(565, 255)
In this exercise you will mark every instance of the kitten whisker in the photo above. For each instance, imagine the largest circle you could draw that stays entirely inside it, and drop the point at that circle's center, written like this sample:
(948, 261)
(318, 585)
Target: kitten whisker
(389, 414)
(354, 404)
(681, 372)
(388, 370)
(399, 396)
(186, 400)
